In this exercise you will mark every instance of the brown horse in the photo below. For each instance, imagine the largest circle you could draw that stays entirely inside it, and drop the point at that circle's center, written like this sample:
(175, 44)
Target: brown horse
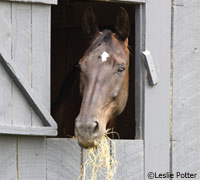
(104, 78)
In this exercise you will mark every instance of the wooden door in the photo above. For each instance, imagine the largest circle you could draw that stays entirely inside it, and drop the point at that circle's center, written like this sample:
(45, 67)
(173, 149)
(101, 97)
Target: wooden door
(24, 89)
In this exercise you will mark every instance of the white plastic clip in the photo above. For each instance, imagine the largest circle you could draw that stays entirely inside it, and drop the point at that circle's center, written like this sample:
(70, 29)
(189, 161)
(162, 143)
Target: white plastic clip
(151, 69)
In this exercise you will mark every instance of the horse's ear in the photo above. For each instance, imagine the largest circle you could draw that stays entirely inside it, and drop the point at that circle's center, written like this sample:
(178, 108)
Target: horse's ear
(122, 25)
(89, 25)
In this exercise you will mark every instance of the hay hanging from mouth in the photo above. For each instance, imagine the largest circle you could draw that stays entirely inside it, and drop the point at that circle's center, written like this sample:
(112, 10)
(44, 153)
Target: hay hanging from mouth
(100, 161)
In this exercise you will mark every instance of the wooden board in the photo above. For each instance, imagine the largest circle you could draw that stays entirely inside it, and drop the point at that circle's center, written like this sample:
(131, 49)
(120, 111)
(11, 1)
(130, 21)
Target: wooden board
(157, 98)
(186, 86)
(8, 170)
(40, 64)
(139, 71)
(63, 159)
(130, 155)
(31, 158)
(30, 131)
(5, 82)
(31, 53)
(21, 55)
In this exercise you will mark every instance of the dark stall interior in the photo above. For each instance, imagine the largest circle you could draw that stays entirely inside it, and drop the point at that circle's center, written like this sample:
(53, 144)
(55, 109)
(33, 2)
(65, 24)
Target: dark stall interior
(67, 47)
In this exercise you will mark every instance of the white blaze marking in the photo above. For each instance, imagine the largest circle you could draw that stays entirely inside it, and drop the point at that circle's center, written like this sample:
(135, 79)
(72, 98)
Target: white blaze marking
(104, 56)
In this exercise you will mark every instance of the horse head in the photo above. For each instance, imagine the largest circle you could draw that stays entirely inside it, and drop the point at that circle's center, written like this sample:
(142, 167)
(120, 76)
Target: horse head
(104, 78)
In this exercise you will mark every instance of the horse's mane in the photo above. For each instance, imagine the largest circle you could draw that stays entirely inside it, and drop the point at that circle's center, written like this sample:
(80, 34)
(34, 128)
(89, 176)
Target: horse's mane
(69, 79)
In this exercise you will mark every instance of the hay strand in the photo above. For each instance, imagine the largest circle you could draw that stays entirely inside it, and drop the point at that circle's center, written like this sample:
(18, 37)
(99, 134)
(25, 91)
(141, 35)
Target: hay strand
(100, 161)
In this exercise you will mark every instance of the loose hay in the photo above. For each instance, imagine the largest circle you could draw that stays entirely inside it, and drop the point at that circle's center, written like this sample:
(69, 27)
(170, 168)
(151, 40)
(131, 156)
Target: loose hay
(101, 161)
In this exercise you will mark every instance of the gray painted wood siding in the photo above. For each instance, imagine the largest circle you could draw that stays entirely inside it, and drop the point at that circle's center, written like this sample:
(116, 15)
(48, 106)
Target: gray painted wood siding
(157, 98)
(64, 160)
(31, 158)
(22, 158)
(186, 87)
(130, 155)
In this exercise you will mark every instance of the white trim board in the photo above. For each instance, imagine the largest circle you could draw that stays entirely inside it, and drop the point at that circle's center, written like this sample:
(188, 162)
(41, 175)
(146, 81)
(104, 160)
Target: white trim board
(157, 98)
(35, 1)
(30, 131)
(122, 1)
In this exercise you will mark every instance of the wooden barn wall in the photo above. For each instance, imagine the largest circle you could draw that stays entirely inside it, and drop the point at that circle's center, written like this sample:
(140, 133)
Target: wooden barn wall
(25, 36)
(64, 160)
(186, 87)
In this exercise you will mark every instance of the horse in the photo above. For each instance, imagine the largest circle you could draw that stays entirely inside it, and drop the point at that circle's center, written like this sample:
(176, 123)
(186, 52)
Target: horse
(104, 78)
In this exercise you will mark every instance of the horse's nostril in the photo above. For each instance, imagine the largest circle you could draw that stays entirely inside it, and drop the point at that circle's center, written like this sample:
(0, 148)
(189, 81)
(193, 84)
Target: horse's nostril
(87, 129)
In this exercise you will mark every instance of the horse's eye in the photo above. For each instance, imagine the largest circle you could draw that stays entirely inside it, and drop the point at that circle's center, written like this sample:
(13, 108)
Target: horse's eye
(121, 69)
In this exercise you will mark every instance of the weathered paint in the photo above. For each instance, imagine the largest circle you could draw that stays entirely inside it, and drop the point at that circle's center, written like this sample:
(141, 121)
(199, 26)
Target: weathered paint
(186, 87)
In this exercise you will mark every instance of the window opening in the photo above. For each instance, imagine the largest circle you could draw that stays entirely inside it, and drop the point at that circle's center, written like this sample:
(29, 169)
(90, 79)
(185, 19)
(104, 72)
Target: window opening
(68, 46)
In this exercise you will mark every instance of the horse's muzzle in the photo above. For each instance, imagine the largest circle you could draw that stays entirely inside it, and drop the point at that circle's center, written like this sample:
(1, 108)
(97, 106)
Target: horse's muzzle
(88, 133)
(87, 144)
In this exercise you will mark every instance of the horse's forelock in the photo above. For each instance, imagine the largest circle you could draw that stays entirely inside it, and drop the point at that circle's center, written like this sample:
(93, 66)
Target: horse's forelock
(106, 36)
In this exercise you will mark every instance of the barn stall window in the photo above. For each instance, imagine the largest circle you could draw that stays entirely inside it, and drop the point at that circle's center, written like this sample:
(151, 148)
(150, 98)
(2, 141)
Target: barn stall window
(68, 46)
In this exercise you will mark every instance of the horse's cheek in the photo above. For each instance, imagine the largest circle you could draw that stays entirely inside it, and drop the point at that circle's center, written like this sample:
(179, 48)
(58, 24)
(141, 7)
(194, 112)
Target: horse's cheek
(122, 100)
